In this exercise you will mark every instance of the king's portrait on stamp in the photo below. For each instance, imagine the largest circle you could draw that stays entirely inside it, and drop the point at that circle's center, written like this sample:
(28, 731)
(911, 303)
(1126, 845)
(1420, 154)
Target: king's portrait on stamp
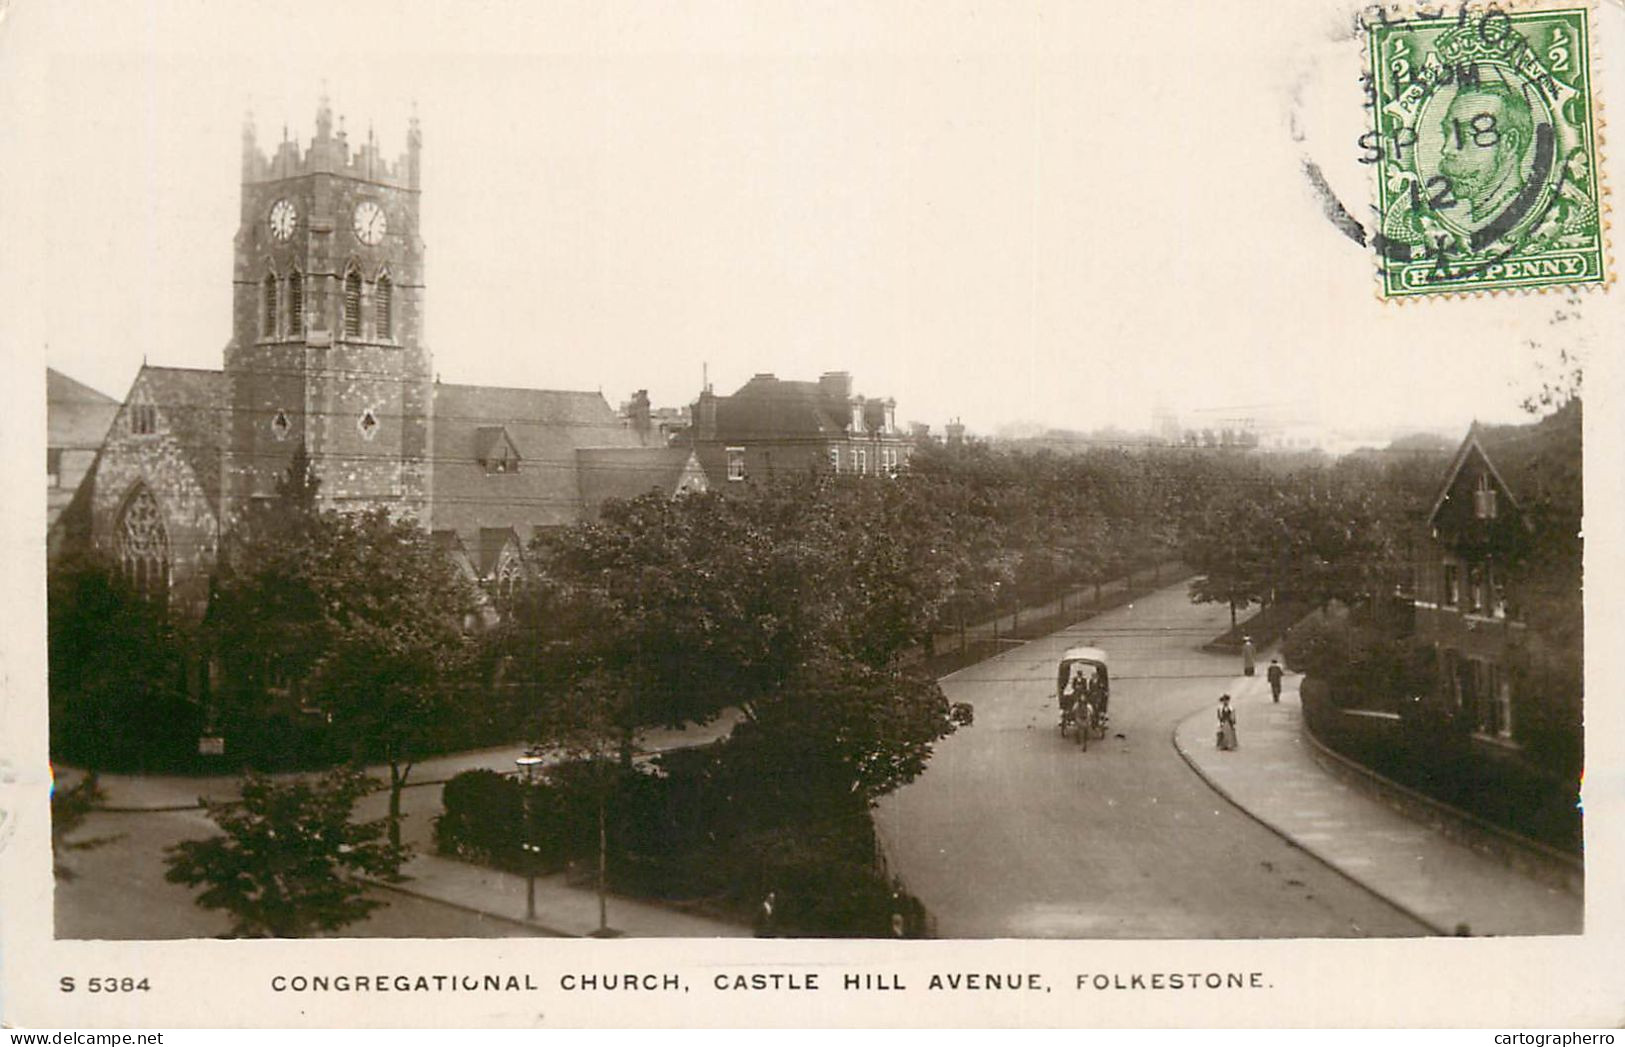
(1485, 151)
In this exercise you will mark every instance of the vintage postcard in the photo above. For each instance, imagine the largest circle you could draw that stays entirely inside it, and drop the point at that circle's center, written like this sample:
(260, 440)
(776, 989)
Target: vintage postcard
(803, 515)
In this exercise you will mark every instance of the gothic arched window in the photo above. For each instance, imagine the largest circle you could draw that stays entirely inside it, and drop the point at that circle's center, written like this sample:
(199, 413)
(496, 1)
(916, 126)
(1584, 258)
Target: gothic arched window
(352, 304)
(296, 303)
(143, 545)
(510, 577)
(268, 324)
(383, 295)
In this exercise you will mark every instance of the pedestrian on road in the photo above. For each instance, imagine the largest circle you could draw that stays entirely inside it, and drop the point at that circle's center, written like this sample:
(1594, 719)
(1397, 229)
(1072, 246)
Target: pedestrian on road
(1247, 655)
(1275, 673)
(1227, 724)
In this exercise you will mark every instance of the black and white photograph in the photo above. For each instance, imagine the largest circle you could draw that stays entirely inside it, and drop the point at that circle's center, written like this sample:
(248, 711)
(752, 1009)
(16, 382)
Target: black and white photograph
(717, 513)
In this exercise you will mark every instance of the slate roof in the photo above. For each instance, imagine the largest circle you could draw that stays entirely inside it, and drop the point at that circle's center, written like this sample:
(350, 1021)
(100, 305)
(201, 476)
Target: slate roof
(192, 403)
(769, 408)
(76, 416)
(1469, 446)
(627, 472)
(547, 427)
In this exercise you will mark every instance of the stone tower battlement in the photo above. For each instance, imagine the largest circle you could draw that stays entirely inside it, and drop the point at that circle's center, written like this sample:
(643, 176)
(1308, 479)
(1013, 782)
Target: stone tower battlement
(330, 152)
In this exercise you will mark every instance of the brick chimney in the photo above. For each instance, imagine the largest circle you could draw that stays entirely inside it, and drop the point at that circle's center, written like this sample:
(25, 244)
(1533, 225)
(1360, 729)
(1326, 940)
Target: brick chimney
(836, 386)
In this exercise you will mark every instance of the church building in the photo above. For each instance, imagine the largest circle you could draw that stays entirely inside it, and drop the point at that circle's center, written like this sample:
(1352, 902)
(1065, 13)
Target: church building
(327, 352)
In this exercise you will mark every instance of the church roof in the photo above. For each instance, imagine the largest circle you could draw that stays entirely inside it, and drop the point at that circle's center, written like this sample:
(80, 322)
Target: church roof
(192, 404)
(546, 426)
(627, 472)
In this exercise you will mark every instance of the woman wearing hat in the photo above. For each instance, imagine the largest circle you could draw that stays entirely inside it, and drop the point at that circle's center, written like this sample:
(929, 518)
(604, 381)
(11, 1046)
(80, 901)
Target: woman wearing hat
(1227, 724)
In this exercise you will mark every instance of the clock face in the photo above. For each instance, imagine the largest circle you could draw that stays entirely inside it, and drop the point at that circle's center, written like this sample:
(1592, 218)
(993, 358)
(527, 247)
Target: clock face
(369, 223)
(284, 216)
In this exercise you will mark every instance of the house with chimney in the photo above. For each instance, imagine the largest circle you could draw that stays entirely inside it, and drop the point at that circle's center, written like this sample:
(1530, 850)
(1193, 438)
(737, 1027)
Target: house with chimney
(776, 427)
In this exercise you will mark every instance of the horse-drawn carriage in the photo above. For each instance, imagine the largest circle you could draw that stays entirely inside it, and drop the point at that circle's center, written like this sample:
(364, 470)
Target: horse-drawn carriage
(1083, 691)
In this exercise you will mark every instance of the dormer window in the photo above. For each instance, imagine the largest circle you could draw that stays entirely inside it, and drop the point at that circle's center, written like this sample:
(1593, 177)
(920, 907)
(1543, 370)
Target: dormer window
(268, 301)
(857, 418)
(495, 450)
(1484, 499)
(352, 304)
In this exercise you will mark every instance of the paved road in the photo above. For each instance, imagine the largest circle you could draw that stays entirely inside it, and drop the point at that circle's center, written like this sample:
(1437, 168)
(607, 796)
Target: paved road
(1013, 832)
(120, 892)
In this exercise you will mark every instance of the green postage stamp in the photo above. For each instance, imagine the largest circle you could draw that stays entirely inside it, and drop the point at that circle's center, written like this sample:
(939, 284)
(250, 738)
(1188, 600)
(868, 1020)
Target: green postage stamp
(1484, 143)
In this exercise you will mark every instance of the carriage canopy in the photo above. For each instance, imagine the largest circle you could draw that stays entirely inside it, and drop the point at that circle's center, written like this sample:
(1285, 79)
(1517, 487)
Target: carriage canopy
(1086, 660)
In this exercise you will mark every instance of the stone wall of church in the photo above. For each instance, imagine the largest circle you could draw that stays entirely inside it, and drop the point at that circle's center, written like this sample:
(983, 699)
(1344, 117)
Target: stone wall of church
(159, 461)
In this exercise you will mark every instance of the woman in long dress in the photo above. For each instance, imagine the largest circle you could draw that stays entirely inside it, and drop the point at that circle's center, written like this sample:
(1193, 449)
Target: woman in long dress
(1227, 724)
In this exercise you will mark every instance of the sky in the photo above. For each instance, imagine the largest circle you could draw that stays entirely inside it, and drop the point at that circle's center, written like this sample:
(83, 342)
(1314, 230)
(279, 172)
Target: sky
(1011, 214)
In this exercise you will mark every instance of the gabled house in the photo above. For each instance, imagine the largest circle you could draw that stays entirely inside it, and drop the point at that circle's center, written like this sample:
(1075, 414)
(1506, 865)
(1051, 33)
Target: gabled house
(1476, 533)
(76, 421)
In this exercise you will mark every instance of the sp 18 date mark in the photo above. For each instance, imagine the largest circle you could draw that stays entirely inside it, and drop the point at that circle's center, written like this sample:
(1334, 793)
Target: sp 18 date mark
(107, 984)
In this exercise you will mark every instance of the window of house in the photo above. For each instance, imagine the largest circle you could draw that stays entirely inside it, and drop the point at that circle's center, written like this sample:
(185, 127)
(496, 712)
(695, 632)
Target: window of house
(352, 304)
(736, 463)
(280, 425)
(835, 458)
(383, 295)
(1452, 585)
(1477, 599)
(268, 301)
(862, 460)
(368, 424)
(857, 418)
(1484, 499)
(1501, 691)
(296, 303)
(1451, 674)
(142, 544)
(53, 466)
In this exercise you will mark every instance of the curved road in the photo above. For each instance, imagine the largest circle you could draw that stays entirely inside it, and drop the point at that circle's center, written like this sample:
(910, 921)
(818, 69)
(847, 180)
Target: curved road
(1012, 832)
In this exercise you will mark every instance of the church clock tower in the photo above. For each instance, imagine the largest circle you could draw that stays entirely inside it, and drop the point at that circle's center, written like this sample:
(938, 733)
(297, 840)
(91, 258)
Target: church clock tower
(327, 318)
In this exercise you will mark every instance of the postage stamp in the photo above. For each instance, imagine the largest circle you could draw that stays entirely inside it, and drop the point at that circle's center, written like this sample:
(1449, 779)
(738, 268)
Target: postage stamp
(1485, 146)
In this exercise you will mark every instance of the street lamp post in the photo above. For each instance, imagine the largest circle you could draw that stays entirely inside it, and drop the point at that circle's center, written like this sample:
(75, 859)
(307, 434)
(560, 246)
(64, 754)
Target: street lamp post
(528, 764)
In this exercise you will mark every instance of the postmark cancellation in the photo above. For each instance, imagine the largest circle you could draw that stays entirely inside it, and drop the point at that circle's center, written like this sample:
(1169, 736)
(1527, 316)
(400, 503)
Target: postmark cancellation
(1484, 139)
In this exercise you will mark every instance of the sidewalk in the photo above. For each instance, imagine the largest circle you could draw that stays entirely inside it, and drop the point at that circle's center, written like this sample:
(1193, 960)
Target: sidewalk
(1274, 778)
(562, 909)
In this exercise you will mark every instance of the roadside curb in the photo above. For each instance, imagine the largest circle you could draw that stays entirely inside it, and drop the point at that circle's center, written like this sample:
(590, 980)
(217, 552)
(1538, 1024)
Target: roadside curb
(1190, 762)
(542, 929)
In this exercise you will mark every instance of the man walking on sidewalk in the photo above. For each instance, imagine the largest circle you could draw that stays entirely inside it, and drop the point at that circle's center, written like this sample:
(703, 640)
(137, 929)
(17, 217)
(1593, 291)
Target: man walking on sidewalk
(1275, 673)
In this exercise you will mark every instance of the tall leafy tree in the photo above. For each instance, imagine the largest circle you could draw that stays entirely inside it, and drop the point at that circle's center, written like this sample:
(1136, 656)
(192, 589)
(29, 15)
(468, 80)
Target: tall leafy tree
(289, 858)
(391, 676)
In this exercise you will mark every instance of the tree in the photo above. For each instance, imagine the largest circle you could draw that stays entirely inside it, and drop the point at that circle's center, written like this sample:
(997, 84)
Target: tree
(288, 862)
(117, 673)
(390, 676)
